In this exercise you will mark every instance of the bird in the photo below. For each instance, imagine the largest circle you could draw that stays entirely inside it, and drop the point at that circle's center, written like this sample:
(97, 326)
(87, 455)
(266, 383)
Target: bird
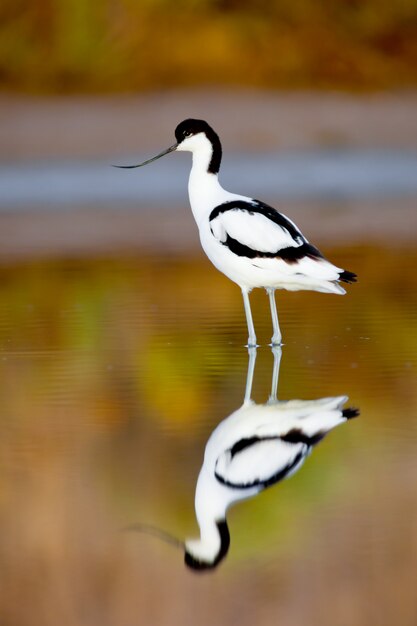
(255, 447)
(250, 242)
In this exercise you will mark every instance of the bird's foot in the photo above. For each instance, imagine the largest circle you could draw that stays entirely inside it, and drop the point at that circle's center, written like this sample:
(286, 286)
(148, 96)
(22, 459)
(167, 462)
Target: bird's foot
(252, 343)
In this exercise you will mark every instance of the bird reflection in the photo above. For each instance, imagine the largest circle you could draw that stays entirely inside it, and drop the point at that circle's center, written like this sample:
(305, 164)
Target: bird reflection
(255, 447)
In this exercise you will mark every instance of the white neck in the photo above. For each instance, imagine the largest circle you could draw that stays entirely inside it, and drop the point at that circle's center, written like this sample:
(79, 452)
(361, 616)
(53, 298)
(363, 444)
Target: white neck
(204, 190)
(209, 536)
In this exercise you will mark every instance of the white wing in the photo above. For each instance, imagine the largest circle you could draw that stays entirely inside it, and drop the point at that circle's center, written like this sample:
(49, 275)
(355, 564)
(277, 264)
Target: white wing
(259, 462)
(255, 230)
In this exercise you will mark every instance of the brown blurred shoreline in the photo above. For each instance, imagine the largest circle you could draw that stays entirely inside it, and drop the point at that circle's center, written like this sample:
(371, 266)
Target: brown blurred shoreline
(248, 120)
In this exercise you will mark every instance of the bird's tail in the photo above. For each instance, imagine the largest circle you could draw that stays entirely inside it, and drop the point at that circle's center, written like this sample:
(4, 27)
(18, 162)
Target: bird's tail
(350, 412)
(347, 277)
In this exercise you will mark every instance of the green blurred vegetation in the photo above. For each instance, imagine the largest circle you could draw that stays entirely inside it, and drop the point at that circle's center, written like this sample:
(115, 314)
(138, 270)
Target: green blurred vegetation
(78, 45)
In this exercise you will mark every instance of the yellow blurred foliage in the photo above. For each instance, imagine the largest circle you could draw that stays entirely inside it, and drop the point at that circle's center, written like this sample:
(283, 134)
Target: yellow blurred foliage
(73, 45)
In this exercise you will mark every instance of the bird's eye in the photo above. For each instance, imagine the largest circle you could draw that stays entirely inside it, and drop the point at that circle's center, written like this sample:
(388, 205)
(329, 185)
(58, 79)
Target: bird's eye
(187, 133)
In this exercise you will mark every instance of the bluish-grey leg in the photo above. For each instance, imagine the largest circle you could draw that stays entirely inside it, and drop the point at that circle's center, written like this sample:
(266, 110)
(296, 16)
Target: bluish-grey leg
(276, 337)
(277, 353)
(249, 376)
(249, 320)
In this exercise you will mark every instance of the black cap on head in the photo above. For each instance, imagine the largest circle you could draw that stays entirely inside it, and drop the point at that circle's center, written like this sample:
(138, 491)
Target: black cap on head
(190, 127)
(198, 565)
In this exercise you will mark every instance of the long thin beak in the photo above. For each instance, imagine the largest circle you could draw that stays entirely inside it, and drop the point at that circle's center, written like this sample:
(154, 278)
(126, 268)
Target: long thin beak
(158, 156)
(156, 532)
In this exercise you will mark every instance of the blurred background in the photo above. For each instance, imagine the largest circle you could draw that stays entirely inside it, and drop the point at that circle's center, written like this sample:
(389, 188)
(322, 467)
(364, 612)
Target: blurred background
(74, 46)
(122, 348)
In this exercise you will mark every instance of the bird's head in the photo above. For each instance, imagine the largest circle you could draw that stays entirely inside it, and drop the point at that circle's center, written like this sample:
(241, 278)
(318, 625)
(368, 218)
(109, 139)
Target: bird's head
(194, 136)
(206, 553)
(200, 555)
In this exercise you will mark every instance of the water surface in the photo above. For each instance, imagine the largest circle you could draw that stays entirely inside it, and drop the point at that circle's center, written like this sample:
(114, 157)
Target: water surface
(114, 371)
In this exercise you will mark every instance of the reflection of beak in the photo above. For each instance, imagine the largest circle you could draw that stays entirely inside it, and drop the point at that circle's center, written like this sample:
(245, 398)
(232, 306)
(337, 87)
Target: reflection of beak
(154, 530)
(158, 156)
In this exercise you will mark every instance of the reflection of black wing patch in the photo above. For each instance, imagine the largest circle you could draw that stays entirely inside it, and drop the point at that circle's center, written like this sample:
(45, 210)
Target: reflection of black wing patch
(259, 462)
(245, 443)
(295, 435)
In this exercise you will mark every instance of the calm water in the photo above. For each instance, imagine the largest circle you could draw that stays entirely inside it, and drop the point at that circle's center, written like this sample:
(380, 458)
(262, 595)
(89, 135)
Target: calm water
(114, 372)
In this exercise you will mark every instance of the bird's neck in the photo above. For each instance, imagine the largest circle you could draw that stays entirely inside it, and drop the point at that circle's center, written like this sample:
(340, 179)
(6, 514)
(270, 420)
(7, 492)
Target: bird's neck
(210, 536)
(204, 189)
(211, 502)
(217, 537)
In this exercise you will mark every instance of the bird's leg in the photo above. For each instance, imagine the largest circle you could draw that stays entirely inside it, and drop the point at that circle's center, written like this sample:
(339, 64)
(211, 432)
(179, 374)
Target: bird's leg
(276, 337)
(277, 353)
(249, 375)
(249, 320)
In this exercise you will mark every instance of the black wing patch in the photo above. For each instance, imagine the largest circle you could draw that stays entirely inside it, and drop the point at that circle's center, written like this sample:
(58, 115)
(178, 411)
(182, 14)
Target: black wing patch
(290, 255)
(258, 207)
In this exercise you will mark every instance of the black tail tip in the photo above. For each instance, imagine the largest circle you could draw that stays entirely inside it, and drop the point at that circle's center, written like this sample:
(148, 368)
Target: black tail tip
(350, 413)
(348, 277)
